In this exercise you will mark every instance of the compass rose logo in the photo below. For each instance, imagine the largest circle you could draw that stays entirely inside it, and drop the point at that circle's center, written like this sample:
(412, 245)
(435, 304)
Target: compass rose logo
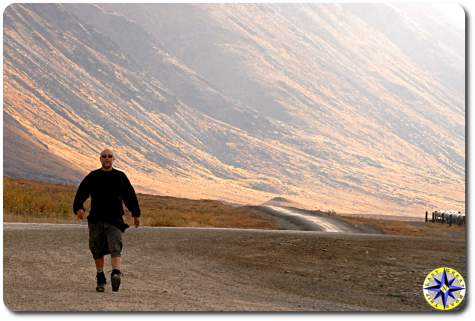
(444, 288)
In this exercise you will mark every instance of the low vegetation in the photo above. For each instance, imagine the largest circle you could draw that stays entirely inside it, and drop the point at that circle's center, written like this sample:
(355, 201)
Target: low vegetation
(407, 227)
(33, 201)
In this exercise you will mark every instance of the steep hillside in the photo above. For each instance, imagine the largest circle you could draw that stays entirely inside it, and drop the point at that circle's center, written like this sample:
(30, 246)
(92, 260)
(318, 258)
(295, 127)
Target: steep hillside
(324, 105)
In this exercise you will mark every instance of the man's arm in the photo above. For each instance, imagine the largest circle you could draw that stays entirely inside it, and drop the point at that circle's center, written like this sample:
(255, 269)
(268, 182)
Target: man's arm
(130, 200)
(82, 194)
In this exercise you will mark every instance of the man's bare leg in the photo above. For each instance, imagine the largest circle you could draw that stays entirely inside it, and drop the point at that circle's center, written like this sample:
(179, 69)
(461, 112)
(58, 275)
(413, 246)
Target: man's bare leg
(99, 264)
(116, 262)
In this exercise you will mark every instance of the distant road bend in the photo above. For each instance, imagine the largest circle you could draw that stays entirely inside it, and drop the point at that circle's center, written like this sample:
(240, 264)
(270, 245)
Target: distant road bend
(320, 223)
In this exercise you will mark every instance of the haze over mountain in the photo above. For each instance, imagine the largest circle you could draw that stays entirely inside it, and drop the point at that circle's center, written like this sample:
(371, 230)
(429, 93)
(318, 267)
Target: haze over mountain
(356, 108)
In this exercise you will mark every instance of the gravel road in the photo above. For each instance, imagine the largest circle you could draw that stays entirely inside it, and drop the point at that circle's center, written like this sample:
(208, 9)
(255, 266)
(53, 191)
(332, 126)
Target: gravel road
(48, 267)
(314, 222)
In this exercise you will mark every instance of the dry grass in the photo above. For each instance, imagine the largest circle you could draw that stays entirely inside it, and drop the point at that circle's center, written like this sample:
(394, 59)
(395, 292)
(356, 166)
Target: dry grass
(406, 227)
(170, 211)
(33, 201)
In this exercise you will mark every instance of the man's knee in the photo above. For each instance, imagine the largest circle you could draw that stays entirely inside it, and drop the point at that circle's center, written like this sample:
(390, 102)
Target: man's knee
(115, 248)
(116, 255)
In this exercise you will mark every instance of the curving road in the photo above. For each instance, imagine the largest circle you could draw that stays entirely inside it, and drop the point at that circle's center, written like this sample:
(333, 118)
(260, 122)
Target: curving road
(313, 221)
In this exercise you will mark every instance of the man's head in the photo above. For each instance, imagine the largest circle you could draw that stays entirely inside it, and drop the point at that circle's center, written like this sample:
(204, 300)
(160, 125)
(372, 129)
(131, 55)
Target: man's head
(107, 158)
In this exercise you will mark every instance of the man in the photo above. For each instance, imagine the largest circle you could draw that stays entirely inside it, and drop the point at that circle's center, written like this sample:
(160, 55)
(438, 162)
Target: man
(108, 188)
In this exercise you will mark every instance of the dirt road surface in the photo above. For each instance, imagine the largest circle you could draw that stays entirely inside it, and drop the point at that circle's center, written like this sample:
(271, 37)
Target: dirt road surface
(48, 267)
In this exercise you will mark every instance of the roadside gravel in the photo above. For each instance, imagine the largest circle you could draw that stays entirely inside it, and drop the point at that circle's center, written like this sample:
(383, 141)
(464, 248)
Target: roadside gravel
(48, 267)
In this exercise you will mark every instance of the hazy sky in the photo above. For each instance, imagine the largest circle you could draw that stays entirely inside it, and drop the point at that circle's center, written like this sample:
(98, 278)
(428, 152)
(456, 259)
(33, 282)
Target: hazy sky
(453, 13)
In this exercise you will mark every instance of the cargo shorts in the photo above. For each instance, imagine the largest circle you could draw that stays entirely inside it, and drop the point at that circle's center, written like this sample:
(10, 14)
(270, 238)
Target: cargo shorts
(104, 238)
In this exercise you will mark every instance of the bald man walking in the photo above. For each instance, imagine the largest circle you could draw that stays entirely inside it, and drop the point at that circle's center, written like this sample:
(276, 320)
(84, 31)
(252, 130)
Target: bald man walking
(108, 189)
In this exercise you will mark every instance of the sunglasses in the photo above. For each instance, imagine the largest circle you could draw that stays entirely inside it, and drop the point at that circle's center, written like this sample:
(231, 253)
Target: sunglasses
(107, 156)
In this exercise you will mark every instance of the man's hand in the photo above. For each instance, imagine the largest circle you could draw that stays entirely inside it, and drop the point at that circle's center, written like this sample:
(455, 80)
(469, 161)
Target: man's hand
(136, 221)
(81, 214)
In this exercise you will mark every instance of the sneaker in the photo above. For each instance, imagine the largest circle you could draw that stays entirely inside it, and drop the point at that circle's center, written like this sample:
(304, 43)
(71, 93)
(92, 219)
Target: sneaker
(115, 280)
(101, 282)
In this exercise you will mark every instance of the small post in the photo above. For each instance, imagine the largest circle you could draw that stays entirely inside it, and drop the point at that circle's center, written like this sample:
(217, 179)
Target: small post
(433, 217)
(426, 216)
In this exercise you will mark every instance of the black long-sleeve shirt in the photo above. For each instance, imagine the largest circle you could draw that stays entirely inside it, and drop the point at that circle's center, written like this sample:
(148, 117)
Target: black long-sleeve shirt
(108, 189)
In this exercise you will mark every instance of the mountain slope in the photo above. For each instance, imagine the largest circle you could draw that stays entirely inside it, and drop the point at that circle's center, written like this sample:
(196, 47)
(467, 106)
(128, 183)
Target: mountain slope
(316, 103)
